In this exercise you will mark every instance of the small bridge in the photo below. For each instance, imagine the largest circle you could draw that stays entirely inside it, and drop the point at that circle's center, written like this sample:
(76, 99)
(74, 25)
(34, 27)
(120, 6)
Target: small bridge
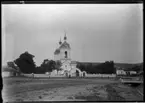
(134, 81)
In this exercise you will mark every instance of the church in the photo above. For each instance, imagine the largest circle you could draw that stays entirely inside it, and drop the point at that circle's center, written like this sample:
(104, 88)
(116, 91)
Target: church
(63, 54)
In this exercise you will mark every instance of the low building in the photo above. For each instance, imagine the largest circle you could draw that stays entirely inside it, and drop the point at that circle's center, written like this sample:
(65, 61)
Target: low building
(132, 72)
(9, 72)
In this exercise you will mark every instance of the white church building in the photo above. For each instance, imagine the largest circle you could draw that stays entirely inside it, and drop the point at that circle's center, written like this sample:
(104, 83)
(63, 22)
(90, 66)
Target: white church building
(63, 54)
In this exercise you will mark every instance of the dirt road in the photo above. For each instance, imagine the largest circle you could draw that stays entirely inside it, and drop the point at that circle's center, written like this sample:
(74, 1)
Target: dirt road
(67, 89)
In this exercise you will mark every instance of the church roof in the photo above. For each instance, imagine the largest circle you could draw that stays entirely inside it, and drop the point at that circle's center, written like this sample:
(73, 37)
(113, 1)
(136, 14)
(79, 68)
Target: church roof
(57, 51)
(64, 45)
(8, 69)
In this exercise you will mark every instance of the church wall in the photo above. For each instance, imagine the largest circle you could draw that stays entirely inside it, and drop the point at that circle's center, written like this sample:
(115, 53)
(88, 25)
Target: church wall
(57, 57)
(62, 51)
(73, 65)
(66, 66)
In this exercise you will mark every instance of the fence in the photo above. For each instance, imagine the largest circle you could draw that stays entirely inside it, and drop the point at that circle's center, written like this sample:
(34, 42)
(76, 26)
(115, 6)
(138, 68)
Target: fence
(88, 75)
(101, 75)
(42, 75)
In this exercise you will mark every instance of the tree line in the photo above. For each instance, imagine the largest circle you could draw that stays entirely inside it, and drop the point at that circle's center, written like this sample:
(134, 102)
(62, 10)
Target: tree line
(136, 68)
(102, 68)
(26, 64)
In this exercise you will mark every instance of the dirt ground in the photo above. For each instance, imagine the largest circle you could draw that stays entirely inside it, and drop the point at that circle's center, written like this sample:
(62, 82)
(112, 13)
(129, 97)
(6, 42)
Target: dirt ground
(68, 89)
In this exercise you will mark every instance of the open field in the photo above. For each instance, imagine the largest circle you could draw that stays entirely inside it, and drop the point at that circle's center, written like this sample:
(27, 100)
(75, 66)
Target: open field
(68, 89)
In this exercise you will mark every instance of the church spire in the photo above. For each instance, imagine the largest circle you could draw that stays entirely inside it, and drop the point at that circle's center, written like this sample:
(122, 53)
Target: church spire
(65, 36)
(60, 41)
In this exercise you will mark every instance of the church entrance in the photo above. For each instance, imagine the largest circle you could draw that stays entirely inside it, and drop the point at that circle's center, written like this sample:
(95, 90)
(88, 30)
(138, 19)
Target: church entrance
(77, 73)
(66, 74)
(84, 74)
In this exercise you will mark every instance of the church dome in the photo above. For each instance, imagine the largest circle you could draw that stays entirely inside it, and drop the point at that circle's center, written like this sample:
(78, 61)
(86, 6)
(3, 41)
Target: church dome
(65, 45)
(57, 51)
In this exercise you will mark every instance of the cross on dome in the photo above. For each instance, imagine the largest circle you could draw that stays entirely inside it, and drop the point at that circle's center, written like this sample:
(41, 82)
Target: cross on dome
(60, 41)
(65, 36)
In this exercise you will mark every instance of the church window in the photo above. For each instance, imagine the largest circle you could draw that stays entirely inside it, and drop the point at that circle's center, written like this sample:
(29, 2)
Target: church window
(65, 54)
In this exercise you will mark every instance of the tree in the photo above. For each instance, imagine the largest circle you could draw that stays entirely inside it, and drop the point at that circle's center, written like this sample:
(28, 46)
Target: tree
(47, 66)
(51, 66)
(44, 65)
(58, 66)
(25, 63)
(102, 68)
(136, 68)
(39, 70)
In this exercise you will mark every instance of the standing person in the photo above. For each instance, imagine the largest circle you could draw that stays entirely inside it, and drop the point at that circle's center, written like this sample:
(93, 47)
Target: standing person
(66, 74)
(83, 74)
(69, 76)
(33, 75)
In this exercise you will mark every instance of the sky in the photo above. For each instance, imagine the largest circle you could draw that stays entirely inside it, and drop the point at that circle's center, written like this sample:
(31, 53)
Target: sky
(95, 32)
